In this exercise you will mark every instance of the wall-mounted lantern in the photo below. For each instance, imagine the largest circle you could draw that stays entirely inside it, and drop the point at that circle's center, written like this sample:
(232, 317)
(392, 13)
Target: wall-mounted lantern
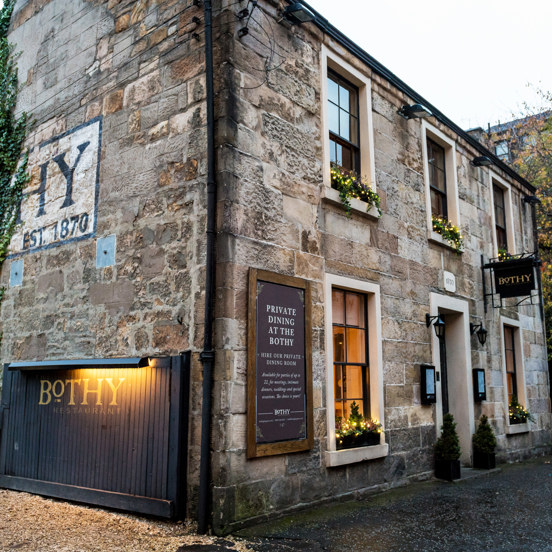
(480, 331)
(479, 389)
(414, 111)
(481, 161)
(427, 380)
(439, 325)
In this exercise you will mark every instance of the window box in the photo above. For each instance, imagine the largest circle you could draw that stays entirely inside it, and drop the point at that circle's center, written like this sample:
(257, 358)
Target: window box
(351, 456)
(358, 207)
(517, 428)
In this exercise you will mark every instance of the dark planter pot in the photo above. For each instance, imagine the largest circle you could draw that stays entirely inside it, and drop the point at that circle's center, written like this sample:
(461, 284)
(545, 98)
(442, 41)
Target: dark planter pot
(447, 469)
(367, 440)
(484, 460)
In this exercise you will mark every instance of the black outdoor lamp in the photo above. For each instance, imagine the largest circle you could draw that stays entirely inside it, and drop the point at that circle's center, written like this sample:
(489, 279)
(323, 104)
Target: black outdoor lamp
(414, 111)
(531, 199)
(297, 13)
(439, 325)
(480, 331)
(481, 161)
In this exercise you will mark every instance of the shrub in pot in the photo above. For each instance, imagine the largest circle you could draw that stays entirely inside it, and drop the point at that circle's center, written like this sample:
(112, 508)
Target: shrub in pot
(484, 444)
(447, 451)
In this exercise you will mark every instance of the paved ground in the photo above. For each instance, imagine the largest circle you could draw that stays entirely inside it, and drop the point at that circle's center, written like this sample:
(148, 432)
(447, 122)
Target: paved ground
(509, 510)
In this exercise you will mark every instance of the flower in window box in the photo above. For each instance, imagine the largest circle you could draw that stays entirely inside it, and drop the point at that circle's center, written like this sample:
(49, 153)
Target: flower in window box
(449, 231)
(351, 185)
(356, 430)
(503, 254)
(518, 414)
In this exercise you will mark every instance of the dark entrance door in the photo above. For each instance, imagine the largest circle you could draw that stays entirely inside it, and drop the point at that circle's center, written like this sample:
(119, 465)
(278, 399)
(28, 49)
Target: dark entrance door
(444, 375)
(103, 435)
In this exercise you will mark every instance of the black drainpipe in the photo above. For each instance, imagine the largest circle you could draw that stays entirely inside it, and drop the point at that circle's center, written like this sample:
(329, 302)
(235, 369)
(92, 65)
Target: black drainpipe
(207, 357)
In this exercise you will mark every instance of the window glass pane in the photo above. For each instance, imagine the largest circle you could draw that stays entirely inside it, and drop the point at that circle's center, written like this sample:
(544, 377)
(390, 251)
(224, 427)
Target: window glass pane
(439, 180)
(339, 413)
(436, 209)
(344, 125)
(353, 383)
(348, 407)
(339, 344)
(354, 130)
(333, 91)
(346, 158)
(338, 381)
(333, 155)
(510, 364)
(356, 345)
(508, 341)
(338, 306)
(344, 98)
(333, 118)
(355, 310)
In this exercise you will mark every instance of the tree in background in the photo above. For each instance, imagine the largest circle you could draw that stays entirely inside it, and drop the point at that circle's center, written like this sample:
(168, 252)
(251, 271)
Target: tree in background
(529, 152)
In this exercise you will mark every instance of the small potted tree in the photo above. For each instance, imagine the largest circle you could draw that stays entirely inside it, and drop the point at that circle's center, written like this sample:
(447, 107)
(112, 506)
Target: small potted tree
(484, 444)
(447, 451)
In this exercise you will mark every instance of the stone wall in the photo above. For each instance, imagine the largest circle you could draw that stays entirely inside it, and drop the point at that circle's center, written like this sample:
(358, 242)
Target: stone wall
(275, 216)
(134, 67)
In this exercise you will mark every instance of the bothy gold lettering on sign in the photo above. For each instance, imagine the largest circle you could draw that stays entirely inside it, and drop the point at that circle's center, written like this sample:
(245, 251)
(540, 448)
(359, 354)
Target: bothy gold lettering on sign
(56, 390)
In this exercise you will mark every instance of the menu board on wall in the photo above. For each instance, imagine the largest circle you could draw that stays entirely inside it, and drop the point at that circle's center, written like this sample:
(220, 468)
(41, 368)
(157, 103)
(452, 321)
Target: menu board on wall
(279, 365)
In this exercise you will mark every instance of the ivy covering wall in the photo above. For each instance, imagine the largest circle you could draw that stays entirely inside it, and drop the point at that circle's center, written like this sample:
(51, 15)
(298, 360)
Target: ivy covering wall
(13, 163)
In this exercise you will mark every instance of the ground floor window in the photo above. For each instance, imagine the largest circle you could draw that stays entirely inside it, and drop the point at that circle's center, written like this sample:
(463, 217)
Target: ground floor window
(354, 379)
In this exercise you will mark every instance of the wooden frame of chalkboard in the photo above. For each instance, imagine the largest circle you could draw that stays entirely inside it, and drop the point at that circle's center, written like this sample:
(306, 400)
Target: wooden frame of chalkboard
(279, 374)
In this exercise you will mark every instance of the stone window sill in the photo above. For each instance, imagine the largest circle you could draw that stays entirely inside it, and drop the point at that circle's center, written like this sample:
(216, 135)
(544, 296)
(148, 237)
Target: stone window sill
(514, 429)
(350, 456)
(438, 239)
(331, 196)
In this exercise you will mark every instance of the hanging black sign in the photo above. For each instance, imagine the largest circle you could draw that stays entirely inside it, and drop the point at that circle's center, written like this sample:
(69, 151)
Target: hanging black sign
(514, 279)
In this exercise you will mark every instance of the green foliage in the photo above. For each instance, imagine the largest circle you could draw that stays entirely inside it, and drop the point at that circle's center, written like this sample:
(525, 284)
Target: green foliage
(356, 425)
(349, 185)
(518, 414)
(450, 232)
(13, 165)
(484, 439)
(447, 446)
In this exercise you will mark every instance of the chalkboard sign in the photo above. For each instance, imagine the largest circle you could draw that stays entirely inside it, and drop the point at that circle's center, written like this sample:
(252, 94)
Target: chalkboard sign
(279, 367)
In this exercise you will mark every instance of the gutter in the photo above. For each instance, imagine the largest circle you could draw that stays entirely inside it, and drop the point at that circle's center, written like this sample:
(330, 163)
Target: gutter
(207, 356)
(324, 25)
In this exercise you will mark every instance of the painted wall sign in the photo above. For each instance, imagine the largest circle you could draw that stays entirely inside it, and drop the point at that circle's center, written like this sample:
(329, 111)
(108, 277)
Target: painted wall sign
(514, 279)
(279, 376)
(61, 200)
(449, 281)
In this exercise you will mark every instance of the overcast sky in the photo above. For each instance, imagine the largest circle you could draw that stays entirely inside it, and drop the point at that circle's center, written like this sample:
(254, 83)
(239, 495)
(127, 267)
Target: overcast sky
(472, 59)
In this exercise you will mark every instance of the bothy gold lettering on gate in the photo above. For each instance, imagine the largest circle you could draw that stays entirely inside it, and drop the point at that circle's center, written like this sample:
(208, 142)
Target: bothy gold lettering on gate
(55, 390)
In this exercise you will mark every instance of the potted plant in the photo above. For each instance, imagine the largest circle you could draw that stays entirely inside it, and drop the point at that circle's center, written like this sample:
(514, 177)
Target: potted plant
(518, 414)
(447, 451)
(356, 430)
(484, 444)
(351, 185)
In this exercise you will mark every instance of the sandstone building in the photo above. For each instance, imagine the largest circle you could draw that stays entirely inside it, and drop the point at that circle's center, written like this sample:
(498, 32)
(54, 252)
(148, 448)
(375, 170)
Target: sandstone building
(143, 191)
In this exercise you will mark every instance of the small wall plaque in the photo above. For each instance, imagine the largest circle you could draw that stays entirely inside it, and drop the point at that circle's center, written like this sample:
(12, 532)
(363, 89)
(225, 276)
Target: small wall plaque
(450, 281)
(428, 394)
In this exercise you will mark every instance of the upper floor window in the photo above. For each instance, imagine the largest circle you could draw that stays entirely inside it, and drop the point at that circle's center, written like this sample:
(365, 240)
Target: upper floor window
(501, 150)
(437, 179)
(500, 218)
(343, 122)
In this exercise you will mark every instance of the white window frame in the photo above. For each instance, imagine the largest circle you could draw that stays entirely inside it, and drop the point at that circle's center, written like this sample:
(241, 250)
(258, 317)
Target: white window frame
(494, 179)
(372, 291)
(520, 373)
(453, 204)
(336, 63)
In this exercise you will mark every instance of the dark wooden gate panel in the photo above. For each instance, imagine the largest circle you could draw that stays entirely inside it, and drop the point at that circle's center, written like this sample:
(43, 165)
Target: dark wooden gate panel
(109, 436)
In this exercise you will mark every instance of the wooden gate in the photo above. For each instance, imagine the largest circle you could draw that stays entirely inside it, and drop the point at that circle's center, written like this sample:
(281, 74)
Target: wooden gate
(107, 432)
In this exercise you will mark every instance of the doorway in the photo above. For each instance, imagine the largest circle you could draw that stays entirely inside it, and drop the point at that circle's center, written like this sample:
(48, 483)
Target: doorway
(452, 357)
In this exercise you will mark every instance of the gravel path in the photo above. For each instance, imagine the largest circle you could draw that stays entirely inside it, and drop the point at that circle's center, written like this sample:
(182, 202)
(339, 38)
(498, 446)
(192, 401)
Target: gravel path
(30, 523)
